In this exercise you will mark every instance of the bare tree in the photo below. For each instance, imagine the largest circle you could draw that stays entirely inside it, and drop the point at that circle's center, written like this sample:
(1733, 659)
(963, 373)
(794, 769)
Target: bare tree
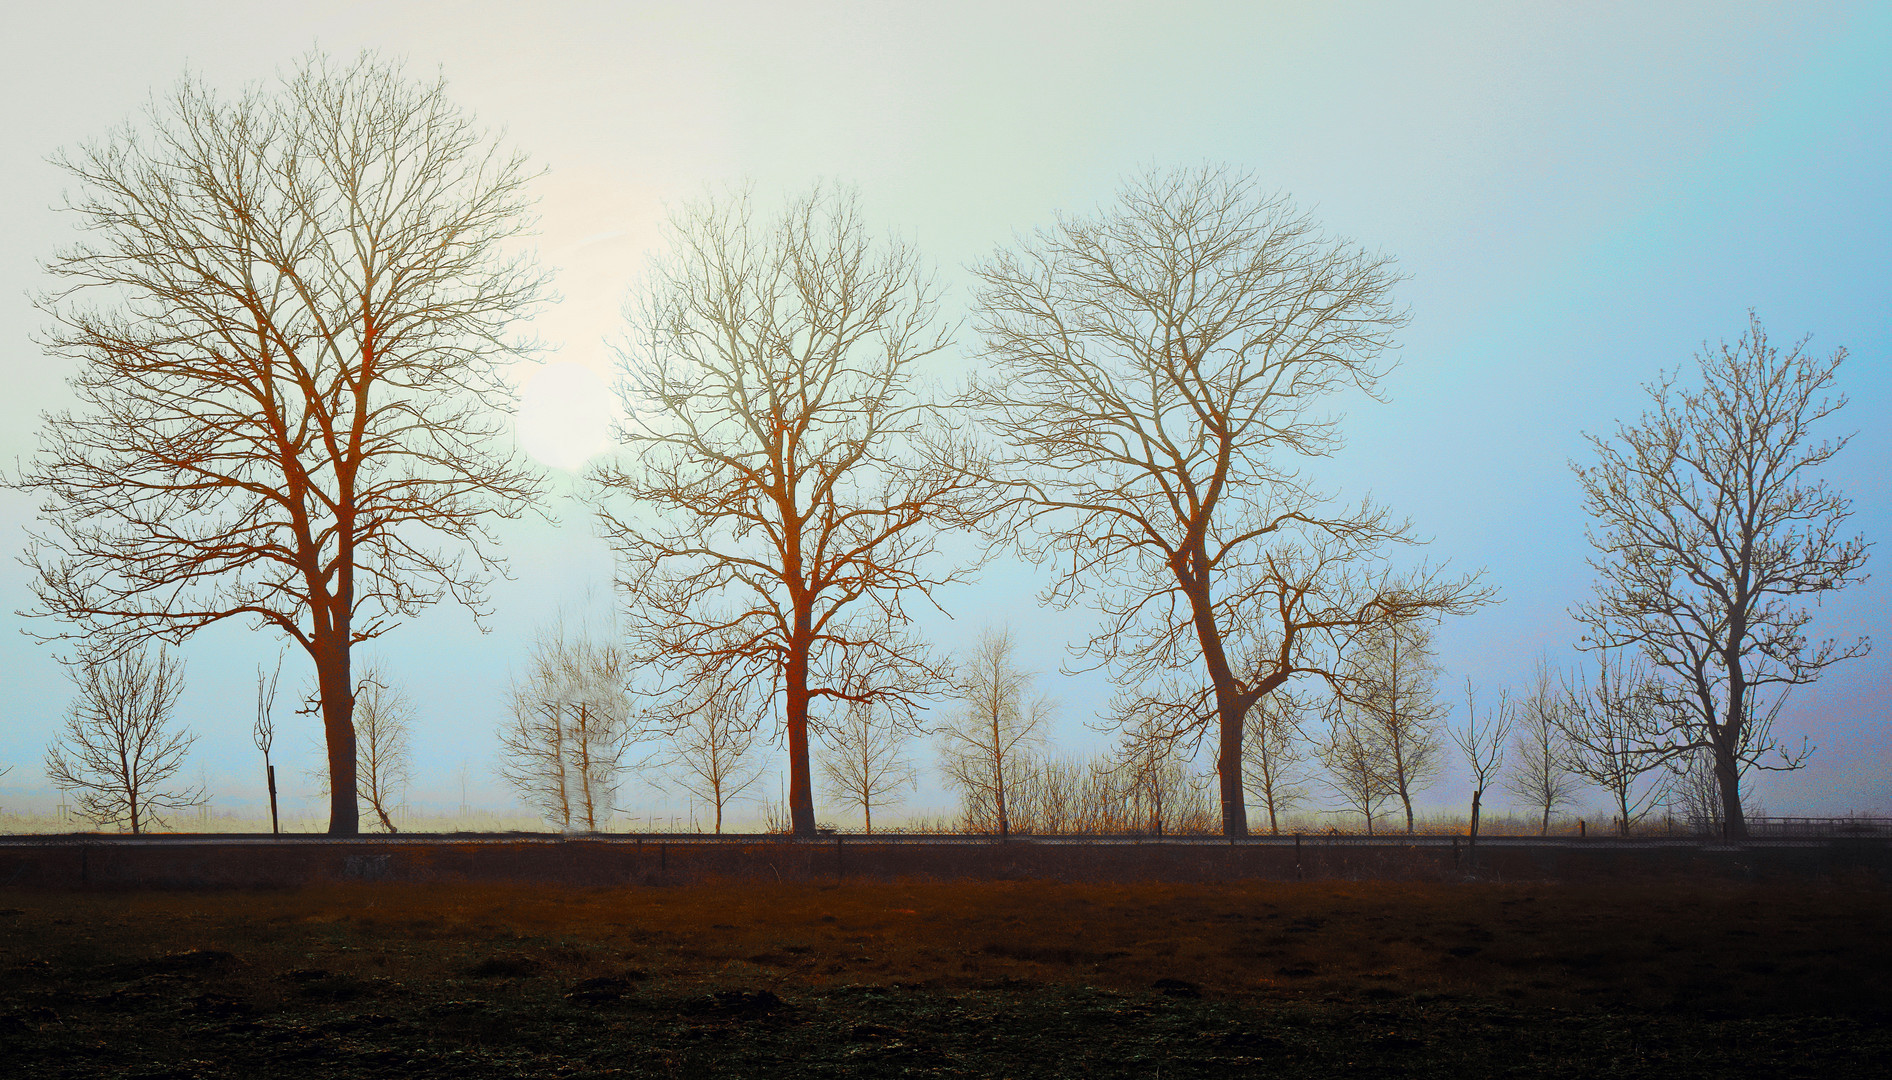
(1355, 756)
(713, 750)
(1712, 528)
(1160, 794)
(1693, 789)
(1609, 726)
(1390, 676)
(984, 746)
(1482, 743)
(1046, 796)
(290, 315)
(117, 755)
(569, 729)
(1274, 746)
(865, 760)
(1540, 755)
(786, 498)
(1160, 371)
(264, 733)
(384, 719)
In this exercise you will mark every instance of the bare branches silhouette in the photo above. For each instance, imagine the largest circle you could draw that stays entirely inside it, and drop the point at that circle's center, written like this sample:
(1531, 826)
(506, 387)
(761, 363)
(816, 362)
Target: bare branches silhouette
(864, 760)
(1610, 726)
(985, 747)
(1482, 742)
(563, 746)
(1160, 371)
(289, 313)
(1712, 526)
(713, 750)
(117, 754)
(786, 483)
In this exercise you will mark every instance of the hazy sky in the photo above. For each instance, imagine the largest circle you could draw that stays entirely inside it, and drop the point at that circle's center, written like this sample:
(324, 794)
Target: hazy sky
(1580, 194)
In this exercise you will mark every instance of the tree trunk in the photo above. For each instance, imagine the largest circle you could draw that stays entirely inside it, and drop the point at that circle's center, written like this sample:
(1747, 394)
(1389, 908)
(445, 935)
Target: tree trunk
(1228, 767)
(338, 721)
(1728, 779)
(1230, 709)
(1407, 799)
(1478, 796)
(998, 780)
(801, 794)
(584, 766)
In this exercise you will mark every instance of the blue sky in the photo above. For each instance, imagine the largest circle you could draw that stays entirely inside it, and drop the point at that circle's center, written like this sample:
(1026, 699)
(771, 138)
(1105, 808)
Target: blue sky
(1580, 195)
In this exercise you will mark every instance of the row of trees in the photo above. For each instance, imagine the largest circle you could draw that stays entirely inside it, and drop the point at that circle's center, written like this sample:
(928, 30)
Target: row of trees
(118, 754)
(571, 741)
(292, 310)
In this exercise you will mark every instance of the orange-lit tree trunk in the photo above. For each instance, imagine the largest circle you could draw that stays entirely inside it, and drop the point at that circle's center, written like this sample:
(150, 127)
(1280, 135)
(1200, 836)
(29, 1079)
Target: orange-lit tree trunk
(795, 698)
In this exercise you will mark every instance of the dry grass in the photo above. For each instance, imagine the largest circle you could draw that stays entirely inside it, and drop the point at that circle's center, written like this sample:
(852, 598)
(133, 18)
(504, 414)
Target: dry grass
(1305, 969)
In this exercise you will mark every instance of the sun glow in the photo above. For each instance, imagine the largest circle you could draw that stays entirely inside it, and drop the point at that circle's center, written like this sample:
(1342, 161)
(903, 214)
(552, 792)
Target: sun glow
(565, 415)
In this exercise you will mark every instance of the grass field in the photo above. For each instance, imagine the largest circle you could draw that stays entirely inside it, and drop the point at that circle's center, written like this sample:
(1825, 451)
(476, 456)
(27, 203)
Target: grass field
(977, 980)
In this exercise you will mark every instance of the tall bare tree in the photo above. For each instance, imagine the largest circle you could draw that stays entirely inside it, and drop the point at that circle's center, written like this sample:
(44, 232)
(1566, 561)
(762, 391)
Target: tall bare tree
(1482, 742)
(864, 760)
(1160, 376)
(1609, 726)
(1540, 755)
(117, 755)
(564, 743)
(985, 747)
(1354, 754)
(1391, 678)
(1275, 748)
(290, 315)
(1712, 531)
(785, 501)
(384, 751)
(713, 750)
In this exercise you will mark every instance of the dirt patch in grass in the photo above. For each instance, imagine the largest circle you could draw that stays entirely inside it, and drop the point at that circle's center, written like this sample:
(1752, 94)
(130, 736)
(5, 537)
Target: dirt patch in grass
(972, 979)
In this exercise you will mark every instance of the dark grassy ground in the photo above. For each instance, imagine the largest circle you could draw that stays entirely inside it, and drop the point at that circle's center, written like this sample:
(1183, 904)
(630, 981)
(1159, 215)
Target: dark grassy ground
(1009, 979)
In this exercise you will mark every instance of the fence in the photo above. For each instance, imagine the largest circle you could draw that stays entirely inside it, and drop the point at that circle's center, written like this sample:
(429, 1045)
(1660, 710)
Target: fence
(1819, 826)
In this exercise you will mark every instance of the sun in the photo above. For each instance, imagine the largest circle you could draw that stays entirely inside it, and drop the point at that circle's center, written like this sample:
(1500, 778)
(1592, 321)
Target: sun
(565, 414)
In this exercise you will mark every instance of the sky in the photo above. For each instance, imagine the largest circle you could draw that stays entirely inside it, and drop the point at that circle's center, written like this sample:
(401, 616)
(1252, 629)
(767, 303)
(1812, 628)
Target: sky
(1580, 197)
